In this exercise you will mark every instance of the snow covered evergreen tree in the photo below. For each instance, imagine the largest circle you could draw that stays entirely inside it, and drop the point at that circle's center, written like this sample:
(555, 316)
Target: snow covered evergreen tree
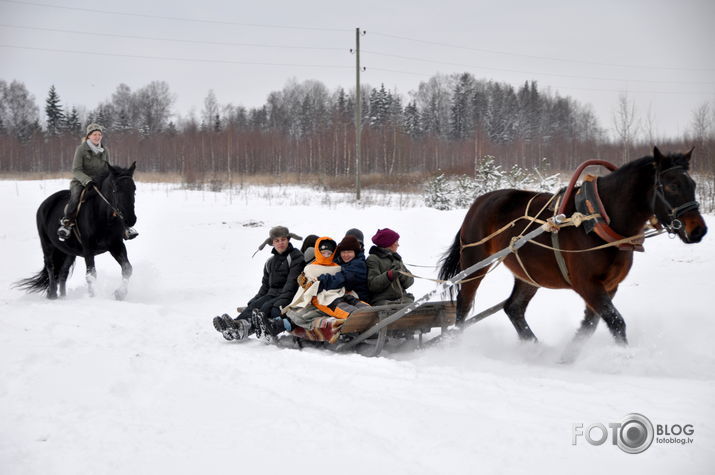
(72, 124)
(53, 112)
(466, 189)
(411, 121)
(460, 119)
(488, 175)
(438, 193)
(380, 105)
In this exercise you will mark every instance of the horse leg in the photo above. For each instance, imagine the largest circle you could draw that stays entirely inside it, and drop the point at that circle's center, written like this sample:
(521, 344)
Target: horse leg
(64, 272)
(601, 304)
(588, 326)
(515, 307)
(52, 286)
(119, 252)
(468, 289)
(91, 274)
(589, 322)
(48, 251)
(465, 298)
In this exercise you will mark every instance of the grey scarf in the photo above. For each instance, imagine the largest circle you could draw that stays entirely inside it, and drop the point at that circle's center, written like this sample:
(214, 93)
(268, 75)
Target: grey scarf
(96, 149)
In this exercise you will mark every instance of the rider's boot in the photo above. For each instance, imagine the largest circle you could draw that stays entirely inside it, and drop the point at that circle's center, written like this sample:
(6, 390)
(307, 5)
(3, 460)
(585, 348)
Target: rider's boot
(130, 233)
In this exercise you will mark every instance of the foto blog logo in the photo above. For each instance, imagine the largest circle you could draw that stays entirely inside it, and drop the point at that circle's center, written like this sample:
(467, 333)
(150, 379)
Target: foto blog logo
(633, 435)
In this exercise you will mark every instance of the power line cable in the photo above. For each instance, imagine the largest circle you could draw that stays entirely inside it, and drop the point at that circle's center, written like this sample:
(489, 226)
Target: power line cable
(549, 58)
(169, 58)
(178, 40)
(574, 76)
(173, 18)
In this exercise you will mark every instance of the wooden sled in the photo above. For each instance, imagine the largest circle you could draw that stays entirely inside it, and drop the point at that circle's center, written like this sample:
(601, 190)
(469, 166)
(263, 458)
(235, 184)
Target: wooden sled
(418, 322)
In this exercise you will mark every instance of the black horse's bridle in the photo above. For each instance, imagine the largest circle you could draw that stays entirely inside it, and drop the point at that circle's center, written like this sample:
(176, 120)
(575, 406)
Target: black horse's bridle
(674, 212)
(114, 207)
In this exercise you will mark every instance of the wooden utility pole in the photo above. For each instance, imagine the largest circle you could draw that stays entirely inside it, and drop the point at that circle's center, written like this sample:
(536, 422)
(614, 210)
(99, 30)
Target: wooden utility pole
(358, 114)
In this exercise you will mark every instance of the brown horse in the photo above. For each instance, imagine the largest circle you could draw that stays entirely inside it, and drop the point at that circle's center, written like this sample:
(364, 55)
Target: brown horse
(650, 186)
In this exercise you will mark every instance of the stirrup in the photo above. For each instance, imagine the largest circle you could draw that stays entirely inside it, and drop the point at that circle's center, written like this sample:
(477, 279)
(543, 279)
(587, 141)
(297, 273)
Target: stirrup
(65, 230)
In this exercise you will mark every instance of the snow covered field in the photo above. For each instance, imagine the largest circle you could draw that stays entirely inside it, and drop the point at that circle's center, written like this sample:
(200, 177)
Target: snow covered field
(146, 386)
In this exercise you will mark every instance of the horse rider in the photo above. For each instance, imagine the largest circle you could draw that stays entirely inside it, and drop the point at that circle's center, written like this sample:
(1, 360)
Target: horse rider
(91, 162)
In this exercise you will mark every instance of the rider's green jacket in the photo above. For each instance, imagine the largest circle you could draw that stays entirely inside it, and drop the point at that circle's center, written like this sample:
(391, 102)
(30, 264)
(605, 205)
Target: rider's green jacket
(87, 165)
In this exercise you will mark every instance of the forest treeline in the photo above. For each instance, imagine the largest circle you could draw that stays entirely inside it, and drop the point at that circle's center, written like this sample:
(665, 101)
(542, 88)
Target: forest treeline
(448, 124)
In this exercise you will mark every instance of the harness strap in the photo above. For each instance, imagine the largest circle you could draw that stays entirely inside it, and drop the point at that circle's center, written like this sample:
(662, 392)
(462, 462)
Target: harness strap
(75, 228)
(560, 257)
(589, 201)
(115, 211)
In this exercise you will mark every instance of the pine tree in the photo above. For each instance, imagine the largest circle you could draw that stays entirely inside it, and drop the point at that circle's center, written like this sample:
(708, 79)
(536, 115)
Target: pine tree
(480, 105)
(394, 111)
(437, 193)
(502, 113)
(411, 122)
(466, 190)
(460, 116)
(53, 111)
(72, 124)
(488, 175)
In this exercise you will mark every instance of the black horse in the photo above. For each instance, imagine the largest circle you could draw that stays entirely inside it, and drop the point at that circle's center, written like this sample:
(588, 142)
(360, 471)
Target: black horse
(650, 186)
(101, 222)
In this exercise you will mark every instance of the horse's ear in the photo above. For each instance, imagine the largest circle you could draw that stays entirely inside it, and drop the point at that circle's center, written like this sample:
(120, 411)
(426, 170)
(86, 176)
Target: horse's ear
(112, 170)
(690, 152)
(132, 168)
(658, 157)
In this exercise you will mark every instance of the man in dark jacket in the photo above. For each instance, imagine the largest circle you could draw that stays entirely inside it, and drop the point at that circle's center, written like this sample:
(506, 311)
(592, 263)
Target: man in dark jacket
(385, 279)
(279, 285)
(353, 270)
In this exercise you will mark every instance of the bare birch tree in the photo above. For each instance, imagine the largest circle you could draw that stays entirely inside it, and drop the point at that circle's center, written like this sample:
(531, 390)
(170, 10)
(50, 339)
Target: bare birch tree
(626, 124)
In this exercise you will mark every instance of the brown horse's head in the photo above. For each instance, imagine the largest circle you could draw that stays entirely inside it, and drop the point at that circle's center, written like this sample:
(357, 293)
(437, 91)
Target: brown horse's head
(675, 205)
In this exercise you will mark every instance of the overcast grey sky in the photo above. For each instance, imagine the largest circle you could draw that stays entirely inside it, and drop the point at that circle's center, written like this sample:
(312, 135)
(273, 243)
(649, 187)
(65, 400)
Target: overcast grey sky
(660, 52)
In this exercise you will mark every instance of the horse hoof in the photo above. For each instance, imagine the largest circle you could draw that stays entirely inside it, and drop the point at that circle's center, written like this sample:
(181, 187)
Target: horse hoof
(120, 294)
(52, 296)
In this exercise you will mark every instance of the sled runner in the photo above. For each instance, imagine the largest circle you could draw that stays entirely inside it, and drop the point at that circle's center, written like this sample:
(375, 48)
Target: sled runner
(418, 322)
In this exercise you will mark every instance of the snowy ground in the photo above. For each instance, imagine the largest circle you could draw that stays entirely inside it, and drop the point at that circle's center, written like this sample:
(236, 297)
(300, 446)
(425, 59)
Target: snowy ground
(96, 386)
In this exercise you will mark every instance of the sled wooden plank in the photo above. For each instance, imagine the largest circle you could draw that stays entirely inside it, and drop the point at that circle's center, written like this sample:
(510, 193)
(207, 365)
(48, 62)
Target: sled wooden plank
(429, 315)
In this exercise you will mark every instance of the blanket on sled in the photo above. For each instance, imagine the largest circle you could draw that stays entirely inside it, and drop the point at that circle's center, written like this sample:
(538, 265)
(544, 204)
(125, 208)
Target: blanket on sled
(321, 329)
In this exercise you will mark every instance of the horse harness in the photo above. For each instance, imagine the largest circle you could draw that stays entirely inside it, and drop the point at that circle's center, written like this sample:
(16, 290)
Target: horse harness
(673, 212)
(588, 202)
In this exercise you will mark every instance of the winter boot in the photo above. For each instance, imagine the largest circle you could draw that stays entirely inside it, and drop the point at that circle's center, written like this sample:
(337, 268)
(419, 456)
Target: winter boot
(257, 322)
(240, 328)
(130, 233)
(262, 326)
(275, 326)
(221, 327)
(65, 230)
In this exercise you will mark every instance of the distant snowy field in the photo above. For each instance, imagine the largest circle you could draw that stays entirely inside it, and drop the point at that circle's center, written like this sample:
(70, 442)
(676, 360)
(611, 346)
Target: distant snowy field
(96, 386)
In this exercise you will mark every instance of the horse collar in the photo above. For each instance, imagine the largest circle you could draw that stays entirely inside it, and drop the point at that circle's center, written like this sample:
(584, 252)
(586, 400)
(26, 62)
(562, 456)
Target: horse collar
(588, 201)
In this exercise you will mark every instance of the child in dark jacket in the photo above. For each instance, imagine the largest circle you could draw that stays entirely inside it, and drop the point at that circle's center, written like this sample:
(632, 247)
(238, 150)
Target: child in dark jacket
(353, 269)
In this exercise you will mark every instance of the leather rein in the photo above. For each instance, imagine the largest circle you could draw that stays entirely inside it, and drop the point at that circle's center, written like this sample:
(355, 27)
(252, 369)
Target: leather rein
(115, 210)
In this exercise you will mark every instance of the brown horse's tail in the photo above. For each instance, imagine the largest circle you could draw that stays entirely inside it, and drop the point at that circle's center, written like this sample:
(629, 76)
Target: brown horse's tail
(450, 262)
